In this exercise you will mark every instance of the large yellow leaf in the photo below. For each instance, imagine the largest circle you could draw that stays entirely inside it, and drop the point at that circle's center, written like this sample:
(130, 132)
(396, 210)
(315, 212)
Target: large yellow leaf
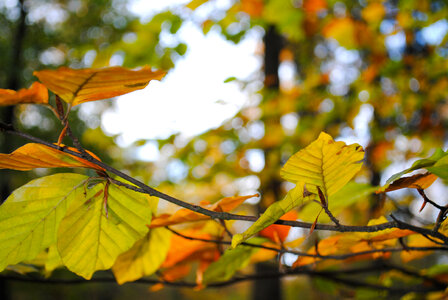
(185, 215)
(37, 93)
(83, 85)
(324, 163)
(98, 228)
(30, 217)
(144, 258)
(32, 155)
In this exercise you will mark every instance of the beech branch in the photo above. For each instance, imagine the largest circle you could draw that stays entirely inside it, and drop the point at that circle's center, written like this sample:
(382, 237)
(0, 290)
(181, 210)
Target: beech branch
(143, 188)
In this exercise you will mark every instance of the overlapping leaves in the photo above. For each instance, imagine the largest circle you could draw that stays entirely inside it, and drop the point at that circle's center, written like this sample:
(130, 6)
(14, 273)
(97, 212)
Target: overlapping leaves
(324, 164)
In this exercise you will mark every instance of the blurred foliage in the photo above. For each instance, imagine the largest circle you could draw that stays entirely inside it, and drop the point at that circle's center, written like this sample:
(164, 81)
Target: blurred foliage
(370, 71)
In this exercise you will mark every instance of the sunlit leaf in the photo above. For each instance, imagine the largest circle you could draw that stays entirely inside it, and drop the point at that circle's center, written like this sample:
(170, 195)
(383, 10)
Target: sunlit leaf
(420, 164)
(83, 85)
(417, 181)
(195, 4)
(278, 233)
(32, 155)
(37, 93)
(231, 261)
(98, 228)
(185, 215)
(53, 260)
(342, 30)
(144, 258)
(324, 163)
(293, 199)
(30, 216)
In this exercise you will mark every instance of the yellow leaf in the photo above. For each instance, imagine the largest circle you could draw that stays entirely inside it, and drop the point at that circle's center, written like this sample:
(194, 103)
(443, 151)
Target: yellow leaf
(37, 93)
(83, 85)
(97, 229)
(374, 12)
(324, 163)
(342, 30)
(32, 155)
(195, 4)
(144, 258)
(53, 260)
(30, 217)
(185, 215)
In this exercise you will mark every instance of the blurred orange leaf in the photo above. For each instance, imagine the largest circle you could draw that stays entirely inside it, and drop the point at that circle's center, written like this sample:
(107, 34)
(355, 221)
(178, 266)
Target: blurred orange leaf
(278, 233)
(314, 6)
(37, 93)
(253, 8)
(342, 30)
(32, 155)
(83, 85)
(417, 181)
(185, 215)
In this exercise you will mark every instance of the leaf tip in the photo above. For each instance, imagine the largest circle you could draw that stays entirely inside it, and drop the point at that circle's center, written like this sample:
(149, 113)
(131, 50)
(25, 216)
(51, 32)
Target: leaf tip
(236, 240)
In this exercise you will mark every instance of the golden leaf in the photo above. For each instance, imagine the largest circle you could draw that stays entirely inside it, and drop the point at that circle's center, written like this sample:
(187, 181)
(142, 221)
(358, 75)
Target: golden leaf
(37, 93)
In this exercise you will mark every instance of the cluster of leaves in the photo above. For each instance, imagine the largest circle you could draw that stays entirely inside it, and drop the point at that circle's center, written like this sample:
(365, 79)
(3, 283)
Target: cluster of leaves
(110, 221)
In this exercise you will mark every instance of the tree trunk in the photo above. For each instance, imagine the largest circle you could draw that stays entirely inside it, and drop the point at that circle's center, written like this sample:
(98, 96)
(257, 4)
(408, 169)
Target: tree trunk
(273, 43)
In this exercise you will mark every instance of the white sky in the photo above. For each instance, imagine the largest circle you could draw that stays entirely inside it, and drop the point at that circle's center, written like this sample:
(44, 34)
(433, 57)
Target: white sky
(193, 97)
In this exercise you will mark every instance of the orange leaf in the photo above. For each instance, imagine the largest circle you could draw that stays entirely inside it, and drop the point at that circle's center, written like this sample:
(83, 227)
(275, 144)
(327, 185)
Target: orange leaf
(31, 156)
(183, 251)
(278, 233)
(185, 215)
(417, 181)
(83, 85)
(37, 93)
(314, 6)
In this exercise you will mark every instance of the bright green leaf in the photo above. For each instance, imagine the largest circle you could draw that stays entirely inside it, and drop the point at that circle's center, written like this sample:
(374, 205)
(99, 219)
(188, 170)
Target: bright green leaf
(324, 163)
(144, 258)
(91, 236)
(231, 261)
(30, 217)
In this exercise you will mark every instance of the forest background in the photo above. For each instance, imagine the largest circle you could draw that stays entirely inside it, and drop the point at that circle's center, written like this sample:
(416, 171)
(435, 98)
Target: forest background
(367, 72)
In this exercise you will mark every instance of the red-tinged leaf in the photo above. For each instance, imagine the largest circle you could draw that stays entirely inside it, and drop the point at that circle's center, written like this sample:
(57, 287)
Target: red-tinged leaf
(32, 155)
(37, 93)
(321, 197)
(315, 223)
(186, 215)
(417, 181)
(83, 85)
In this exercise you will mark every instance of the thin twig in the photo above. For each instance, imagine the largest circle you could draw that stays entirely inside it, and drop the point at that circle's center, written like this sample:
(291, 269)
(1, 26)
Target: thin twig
(143, 188)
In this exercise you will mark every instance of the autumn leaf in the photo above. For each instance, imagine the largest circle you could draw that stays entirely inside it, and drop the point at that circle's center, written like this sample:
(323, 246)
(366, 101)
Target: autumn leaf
(53, 260)
(83, 85)
(293, 199)
(417, 181)
(342, 30)
(231, 261)
(278, 233)
(37, 93)
(435, 164)
(185, 215)
(96, 229)
(324, 163)
(33, 155)
(30, 216)
(144, 258)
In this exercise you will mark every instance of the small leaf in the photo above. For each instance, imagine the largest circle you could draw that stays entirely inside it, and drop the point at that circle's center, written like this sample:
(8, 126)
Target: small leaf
(324, 163)
(185, 215)
(88, 240)
(30, 217)
(195, 4)
(37, 93)
(230, 79)
(83, 85)
(231, 261)
(417, 181)
(293, 199)
(420, 164)
(144, 258)
(32, 155)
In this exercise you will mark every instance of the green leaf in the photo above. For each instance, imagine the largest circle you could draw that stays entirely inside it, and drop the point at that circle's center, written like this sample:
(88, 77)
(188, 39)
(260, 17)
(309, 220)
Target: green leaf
(30, 217)
(97, 229)
(231, 261)
(324, 163)
(440, 168)
(293, 199)
(144, 258)
(427, 163)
